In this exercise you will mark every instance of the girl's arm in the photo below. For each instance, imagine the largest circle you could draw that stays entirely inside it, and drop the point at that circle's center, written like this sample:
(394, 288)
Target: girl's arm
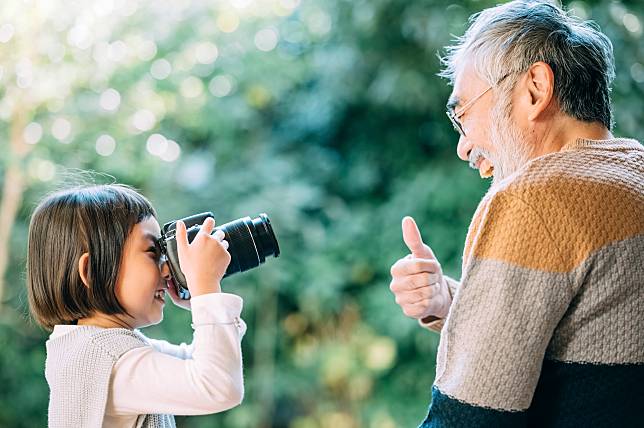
(183, 350)
(148, 380)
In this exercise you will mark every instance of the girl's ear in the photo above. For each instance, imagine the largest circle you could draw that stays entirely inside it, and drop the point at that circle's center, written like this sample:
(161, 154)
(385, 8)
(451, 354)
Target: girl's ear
(83, 267)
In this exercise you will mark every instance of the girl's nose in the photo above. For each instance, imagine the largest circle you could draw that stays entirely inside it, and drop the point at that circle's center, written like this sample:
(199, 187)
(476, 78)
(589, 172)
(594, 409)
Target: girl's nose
(464, 148)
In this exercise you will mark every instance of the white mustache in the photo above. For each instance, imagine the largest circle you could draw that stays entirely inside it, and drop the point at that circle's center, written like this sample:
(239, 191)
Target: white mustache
(475, 156)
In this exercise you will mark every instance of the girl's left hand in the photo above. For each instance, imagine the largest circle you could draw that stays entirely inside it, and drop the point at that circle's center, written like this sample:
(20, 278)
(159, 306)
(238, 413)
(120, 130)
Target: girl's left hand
(172, 291)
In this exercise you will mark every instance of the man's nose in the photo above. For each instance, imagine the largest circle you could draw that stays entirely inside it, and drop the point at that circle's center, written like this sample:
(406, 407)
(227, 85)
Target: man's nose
(464, 148)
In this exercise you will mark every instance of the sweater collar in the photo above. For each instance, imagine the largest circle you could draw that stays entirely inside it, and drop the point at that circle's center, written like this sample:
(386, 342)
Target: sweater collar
(618, 144)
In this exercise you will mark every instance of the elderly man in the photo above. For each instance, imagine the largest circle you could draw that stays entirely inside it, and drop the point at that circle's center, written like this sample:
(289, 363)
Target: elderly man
(546, 326)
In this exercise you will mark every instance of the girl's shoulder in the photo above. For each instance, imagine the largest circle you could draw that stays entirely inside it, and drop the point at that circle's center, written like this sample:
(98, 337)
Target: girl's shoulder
(89, 339)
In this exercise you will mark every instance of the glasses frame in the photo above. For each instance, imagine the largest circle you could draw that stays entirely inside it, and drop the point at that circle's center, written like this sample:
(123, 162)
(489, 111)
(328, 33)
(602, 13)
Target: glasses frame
(455, 115)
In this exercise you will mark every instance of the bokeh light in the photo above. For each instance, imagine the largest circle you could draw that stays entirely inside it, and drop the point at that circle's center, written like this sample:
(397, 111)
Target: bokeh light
(161, 69)
(144, 120)
(32, 133)
(632, 23)
(105, 145)
(221, 85)
(227, 21)
(61, 129)
(172, 151)
(156, 144)
(41, 169)
(191, 87)
(206, 53)
(266, 39)
(6, 32)
(326, 114)
(110, 100)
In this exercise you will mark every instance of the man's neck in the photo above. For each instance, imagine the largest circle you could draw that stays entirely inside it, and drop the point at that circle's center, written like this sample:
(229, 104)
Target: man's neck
(567, 130)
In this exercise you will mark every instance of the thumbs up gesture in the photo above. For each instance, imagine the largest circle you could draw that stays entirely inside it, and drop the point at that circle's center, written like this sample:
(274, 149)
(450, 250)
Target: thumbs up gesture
(417, 279)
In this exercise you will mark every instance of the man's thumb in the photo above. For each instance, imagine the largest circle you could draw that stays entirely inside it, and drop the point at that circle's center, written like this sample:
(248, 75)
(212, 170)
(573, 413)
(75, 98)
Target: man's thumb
(413, 240)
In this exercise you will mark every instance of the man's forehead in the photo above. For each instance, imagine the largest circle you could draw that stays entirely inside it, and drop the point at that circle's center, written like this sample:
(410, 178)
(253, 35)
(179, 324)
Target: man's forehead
(457, 90)
(466, 81)
(464, 74)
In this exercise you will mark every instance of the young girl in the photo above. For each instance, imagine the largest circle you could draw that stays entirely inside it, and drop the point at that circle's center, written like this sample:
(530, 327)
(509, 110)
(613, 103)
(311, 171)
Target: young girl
(94, 276)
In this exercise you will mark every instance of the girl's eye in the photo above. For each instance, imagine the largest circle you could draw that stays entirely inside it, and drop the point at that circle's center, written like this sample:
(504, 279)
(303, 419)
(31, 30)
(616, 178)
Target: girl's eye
(157, 255)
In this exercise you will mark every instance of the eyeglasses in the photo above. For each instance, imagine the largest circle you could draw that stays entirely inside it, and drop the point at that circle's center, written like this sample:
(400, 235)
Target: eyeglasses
(454, 115)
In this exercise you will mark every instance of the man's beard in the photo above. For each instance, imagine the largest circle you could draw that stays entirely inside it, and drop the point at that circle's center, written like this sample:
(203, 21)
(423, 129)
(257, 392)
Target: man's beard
(513, 147)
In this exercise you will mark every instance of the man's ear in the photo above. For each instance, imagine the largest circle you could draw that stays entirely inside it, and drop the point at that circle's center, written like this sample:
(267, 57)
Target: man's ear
(541, 86)
(83, 268)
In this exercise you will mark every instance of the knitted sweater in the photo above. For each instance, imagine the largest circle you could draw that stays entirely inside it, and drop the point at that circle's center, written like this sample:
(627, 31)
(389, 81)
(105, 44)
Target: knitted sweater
(546, 325)
(78, 369)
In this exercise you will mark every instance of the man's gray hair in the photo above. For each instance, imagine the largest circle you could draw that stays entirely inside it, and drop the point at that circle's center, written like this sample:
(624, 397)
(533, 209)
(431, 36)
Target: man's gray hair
(509, 38)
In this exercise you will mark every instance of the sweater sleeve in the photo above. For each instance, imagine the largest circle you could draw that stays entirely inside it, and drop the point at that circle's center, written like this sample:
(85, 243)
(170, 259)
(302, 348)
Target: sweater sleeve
(511, 297)
(435, 324)
(201, 378)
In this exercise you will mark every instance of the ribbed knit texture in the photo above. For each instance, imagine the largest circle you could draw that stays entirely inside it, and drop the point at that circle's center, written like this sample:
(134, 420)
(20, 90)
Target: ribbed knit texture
(553, 284)
(78, 369)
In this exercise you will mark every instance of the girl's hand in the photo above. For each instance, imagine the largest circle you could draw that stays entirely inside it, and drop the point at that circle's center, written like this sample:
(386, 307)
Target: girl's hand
(172, 291)
(204, 260)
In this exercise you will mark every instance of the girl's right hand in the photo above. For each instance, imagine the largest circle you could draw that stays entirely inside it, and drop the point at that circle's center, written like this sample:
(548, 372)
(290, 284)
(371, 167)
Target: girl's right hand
(204, 260)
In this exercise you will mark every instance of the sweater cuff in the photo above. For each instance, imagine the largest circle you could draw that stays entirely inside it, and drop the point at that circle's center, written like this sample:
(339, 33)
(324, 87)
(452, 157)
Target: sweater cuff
(216, 308)
(434, 323)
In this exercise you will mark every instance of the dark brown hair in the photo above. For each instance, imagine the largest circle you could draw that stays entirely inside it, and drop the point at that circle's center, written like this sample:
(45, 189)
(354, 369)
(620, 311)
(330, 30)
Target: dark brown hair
(94, 219)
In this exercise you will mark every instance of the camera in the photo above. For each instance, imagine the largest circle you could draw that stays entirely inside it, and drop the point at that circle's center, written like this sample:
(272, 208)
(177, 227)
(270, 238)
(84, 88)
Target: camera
(250, 241)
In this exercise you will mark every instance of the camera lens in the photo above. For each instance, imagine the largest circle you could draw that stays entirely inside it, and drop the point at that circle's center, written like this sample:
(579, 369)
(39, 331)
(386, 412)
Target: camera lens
(250, 242)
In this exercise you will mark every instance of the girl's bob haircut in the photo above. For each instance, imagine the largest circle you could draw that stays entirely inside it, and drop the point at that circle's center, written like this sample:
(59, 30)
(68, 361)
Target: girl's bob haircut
(95, 219)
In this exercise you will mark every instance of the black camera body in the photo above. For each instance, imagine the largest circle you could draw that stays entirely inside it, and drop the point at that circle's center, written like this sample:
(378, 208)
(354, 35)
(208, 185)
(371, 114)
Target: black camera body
(250, 241)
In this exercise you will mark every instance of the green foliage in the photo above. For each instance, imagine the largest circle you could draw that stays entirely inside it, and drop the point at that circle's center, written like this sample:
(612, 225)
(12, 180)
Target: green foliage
(337, 132)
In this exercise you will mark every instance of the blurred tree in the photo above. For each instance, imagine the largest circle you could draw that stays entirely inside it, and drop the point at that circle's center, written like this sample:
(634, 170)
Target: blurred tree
(325, 114)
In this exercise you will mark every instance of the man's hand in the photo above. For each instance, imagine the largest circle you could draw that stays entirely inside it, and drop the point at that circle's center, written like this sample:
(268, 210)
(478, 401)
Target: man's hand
(417, 279)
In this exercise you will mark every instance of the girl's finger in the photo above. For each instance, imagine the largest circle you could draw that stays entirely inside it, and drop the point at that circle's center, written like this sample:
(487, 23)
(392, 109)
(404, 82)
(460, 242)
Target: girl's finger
(181, 236)
(208, 226)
